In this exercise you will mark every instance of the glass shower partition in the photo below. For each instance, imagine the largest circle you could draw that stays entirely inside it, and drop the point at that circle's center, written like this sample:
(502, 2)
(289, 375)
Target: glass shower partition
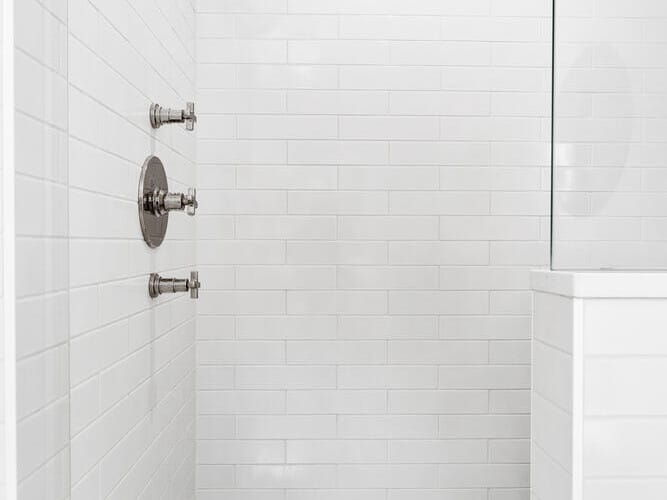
(610, 135)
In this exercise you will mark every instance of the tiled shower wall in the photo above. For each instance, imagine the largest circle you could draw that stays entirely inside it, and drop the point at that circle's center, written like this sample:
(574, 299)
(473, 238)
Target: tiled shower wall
(42, 263)
(132, 359)
(374, 187)
(105, 375)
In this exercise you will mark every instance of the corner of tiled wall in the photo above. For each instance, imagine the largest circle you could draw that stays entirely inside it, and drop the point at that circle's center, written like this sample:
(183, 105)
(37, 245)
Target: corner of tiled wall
(110, 372)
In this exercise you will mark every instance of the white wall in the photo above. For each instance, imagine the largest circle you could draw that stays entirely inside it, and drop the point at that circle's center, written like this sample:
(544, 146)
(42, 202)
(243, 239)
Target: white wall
(106, 376)
(373, 180)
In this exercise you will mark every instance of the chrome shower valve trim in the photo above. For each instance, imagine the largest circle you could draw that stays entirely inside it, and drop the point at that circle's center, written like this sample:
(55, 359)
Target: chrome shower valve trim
(157, 285)
(159, 202)
(161, 116)
(155, 201)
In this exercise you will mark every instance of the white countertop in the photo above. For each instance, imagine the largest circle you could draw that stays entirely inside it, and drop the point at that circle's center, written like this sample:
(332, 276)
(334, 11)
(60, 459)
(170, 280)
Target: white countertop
(601, 284)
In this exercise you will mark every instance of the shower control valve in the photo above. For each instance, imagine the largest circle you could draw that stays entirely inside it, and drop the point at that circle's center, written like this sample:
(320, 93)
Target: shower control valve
(161, 116)
(157, 285)
(159, 202)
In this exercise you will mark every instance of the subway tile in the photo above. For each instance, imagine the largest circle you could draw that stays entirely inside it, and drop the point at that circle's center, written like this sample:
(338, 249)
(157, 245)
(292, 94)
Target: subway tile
(277, 76)
(438, 352)
(440, 402)
(239, 352)
(438, 451)
(388, 227)
(218, 50)
(384, 27)
(232, 452)
(336, 352)
(336, 252)
(286, 427)
(285, 377)
(395, 278)
(287, 177)
(387, 377)
(484, 426)
(211, 402)
(335, 452)
(287, 127)
(391, 475)
(338, 152)
(281, 26)
(470, 253)
(286, 476)
(484, 377)
(438, 302)
(485, 327)
(305, 327)
(387, 426)
(387, 177)
(358, 402)
(335, 102)
(441, 203)
(388, 128)
(337, 52)
(495, 475)
(283, 277)
(285, 227)
(336, 302)
(386, 327)
(337, 203)
(389, 78)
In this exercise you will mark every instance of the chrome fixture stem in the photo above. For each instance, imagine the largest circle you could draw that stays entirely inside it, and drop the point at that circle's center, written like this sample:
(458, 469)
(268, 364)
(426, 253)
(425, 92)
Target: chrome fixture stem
(159, 202)
(157, 285)
(161, 116)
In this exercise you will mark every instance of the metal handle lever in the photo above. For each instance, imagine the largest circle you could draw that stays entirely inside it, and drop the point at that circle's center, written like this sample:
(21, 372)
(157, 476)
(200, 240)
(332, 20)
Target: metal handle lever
(161, 116)
(194, 284)
(190, 202)
(157, 285)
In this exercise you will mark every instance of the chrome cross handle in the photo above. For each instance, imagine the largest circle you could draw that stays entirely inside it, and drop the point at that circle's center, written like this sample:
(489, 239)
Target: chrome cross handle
(157, 285)
(159, 202)
(161, 116)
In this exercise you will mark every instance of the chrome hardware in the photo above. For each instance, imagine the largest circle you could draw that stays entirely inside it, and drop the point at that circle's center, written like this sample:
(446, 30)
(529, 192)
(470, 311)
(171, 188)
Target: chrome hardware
(157, 285)
(160, 116)
(155, 201)
(159, 202)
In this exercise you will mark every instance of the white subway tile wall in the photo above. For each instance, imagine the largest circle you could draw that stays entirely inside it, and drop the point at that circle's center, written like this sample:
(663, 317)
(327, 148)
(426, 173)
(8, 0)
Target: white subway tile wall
(106, 377)
(131, 359)
(42, 262)
(555, 456)
(374, 182)
(611, 195)
(599, 418)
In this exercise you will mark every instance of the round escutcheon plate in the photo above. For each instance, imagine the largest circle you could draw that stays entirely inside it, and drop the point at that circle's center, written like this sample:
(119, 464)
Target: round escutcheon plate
(153, 176)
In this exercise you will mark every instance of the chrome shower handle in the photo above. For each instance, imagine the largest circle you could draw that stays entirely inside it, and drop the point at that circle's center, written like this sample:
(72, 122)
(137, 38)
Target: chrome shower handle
(159, 202)
(161, 116)
(157, 285)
